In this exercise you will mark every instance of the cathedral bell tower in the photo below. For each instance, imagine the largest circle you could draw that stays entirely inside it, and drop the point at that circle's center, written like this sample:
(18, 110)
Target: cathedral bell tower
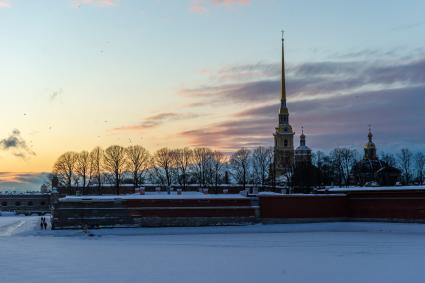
(370, 148)
(303, 152)
(284, 135)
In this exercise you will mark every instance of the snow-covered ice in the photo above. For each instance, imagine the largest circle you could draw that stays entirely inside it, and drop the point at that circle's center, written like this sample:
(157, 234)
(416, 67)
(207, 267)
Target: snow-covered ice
(320, 252)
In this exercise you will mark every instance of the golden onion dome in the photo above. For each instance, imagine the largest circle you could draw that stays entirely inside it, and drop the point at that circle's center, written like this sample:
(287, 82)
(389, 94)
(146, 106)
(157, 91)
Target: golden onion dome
(369, 145)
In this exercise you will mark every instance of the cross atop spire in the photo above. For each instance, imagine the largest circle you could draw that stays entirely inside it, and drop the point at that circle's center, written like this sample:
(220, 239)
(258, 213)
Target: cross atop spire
(370, 135)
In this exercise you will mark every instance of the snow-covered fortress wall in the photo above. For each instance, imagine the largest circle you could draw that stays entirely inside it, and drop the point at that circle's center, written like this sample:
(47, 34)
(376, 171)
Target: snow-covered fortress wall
(34, 203)
(196, 209)
(151, 211)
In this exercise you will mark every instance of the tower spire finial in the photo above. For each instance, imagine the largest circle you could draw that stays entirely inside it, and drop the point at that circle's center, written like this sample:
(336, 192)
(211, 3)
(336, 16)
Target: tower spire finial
(302, 137)
(283, 84)
(370, 135)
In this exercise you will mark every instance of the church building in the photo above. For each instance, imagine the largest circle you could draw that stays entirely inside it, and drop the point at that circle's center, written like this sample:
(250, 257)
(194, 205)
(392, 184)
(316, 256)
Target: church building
(284, 135)
(372, 170)
(303, 152)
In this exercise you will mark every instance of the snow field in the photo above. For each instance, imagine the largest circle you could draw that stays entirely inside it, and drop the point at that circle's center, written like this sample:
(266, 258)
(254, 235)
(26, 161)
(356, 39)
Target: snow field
(321, 252)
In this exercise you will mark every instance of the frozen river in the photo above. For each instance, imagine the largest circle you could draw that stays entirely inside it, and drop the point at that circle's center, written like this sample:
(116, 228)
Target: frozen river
(327, 252)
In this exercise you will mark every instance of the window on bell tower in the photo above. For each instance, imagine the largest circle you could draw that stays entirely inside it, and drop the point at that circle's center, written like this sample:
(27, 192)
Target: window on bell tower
(285, 143)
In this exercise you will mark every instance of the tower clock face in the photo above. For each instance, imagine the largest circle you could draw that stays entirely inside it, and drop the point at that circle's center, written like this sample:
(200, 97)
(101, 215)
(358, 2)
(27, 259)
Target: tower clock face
(285, 129)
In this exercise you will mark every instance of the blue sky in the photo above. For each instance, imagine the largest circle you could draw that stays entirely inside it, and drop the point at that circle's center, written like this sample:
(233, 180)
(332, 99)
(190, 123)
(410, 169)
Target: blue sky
(76, 74)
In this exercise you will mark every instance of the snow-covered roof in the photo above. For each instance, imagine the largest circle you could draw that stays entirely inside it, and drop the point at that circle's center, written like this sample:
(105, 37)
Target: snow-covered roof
(302, 148)
(360, 189)
(173, 195)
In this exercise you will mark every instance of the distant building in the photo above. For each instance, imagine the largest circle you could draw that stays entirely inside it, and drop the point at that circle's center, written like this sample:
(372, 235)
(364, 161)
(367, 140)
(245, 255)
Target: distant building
(303, 152)
(44, 189)
(305, 174)
(284, 135)
(34, 203)
(370, 169)
(370, 148)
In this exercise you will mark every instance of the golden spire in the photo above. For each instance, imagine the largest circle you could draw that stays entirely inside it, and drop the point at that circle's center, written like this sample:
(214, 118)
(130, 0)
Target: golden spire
(283, 112)
(302, 137)
(283, 85)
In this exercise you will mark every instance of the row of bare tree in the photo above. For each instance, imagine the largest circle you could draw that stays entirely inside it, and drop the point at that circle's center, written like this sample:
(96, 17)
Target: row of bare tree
(99, 166)
(412, 165)
(338, 165)
(135, 165)
(116, 165)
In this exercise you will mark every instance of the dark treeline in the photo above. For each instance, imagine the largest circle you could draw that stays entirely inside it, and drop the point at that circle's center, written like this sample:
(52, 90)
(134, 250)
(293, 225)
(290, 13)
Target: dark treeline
(341, 166)
(117, 165)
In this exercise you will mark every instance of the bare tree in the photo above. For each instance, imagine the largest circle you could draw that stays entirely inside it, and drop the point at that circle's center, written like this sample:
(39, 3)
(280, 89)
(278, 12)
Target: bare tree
(201, 160)
(261, 161)
(405, 162)
(218, 161)
(239, 162)
(420, 167)
(138, 162)
(163, 164)
(96, 163)
(115, 162)
(325, 166)
(83, 168)
(389, 159)
(64, 168)
(343, 160)
(336, 158)
(183, 162)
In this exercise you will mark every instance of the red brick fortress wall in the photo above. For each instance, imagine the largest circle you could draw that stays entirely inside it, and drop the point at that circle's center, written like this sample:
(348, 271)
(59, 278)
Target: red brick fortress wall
(303, 207)
(387, 205)
(406, 205)
(367, 205)
(121, 212)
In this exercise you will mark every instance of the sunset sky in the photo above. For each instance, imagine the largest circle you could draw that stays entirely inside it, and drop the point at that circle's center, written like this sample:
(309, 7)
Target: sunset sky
(75, 74)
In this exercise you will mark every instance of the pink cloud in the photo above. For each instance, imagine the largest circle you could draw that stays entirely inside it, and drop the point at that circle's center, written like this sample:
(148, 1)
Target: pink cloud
(200, 6)
(157, 120)
(231, 2)
(103, 3)
(4, 4)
